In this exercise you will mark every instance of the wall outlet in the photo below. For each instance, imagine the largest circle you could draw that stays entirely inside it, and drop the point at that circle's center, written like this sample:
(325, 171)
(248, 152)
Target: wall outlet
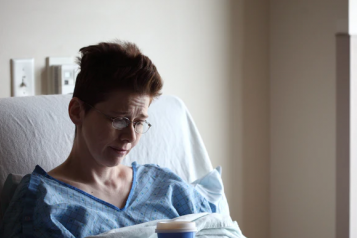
(51, 74)
(23, 77)
(64, 78)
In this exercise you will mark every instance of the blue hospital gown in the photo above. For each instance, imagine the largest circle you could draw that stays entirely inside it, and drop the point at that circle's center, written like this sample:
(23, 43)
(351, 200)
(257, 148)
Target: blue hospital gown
(45, 207)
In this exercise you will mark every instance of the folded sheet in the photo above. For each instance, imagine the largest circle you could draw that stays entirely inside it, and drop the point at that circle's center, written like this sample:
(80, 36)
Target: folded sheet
(208, 225)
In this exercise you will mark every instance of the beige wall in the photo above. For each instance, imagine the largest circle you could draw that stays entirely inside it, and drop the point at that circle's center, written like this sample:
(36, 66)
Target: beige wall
(353, 137)
(251, 118)
(212, 54)
(218, 56)
(188, 41)
(303, 116)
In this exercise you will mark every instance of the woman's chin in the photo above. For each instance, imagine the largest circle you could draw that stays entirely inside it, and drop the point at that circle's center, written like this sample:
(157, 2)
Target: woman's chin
(114, 161)
(113, 158)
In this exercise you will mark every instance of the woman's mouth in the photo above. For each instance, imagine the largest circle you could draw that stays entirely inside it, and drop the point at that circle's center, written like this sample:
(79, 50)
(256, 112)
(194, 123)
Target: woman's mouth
(119, 151)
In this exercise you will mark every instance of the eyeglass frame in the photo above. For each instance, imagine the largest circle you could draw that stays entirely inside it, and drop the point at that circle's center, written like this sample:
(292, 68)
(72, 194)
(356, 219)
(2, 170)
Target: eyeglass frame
(127, 120)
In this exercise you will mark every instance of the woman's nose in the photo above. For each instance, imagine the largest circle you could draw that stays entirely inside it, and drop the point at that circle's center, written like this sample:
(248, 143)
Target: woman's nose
(128, 133)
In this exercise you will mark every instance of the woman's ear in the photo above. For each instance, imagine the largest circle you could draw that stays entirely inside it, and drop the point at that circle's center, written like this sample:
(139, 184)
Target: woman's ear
(76, 111)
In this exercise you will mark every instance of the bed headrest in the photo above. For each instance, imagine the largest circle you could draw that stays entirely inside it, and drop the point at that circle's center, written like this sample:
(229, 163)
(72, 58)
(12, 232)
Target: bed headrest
(37, 130)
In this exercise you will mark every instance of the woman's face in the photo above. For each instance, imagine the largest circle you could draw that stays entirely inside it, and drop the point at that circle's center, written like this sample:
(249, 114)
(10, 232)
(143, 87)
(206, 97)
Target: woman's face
(105, 144)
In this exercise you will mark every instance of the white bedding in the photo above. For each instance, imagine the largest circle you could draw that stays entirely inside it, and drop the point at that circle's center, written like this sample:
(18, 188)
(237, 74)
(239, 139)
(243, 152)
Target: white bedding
(208, 225)
(37, 130)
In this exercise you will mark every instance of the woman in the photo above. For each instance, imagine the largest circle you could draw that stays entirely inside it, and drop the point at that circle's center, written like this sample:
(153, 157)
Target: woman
(92, 192)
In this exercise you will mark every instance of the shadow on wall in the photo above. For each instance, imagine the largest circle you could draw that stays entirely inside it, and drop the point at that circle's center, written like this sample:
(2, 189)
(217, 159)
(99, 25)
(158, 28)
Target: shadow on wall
(250, 102)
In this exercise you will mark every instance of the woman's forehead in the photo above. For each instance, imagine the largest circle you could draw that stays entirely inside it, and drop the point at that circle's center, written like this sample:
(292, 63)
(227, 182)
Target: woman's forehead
(122, 101)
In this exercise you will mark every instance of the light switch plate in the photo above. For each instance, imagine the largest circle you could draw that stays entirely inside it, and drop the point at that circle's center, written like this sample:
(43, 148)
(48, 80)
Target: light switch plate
(23, 77)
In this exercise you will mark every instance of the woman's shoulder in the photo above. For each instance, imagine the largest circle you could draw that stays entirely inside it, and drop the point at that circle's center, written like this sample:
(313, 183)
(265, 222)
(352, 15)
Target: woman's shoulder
(16, 188)
(16, 185)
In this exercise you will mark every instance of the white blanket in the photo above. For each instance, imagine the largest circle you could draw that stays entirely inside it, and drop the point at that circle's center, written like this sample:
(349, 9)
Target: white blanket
(208, 225)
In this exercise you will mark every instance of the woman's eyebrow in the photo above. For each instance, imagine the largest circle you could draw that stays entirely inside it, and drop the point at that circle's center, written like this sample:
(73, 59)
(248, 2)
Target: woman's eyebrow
(118, 113)
(142, 115)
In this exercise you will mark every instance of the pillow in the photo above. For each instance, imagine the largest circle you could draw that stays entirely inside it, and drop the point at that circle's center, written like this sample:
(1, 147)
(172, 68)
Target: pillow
(8, 191)
(211, 187)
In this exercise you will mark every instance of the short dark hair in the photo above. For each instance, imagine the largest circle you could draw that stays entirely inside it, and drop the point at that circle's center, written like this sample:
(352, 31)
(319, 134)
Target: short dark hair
(109, 66)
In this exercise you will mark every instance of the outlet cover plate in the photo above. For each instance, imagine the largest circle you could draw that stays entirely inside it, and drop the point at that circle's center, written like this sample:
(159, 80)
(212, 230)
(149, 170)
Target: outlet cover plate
(51, 61)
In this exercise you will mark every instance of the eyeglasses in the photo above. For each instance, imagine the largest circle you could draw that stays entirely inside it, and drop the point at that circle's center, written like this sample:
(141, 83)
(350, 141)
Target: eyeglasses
(120, 123)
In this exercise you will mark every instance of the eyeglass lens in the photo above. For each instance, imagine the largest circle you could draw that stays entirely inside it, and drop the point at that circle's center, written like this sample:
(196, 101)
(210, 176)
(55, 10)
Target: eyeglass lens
(121, 123)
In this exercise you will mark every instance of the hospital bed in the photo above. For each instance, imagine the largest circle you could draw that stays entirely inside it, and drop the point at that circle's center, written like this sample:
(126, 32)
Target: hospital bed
(37, 130)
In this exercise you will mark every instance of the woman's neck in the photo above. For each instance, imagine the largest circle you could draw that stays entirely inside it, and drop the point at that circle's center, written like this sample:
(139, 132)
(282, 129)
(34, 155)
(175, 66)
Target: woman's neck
(80, 166)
